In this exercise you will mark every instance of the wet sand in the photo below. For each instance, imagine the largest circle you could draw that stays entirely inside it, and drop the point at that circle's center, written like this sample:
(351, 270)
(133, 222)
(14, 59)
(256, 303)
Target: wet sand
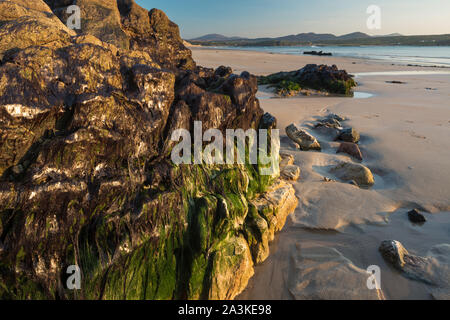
(335, 232)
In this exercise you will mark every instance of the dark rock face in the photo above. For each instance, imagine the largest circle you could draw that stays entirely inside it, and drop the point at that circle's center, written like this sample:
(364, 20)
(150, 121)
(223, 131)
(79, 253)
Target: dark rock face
(86, 176)
(319, 77)
(221, 102)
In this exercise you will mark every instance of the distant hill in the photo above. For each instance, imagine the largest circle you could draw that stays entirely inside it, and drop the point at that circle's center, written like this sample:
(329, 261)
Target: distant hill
(308, 37)
(311, 38)
(354, 35)
(390, 35)
(215, 37)
(301, 37)
(294, 38)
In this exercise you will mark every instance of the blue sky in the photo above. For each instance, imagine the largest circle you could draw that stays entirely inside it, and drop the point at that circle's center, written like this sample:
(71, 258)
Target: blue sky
(260, 18)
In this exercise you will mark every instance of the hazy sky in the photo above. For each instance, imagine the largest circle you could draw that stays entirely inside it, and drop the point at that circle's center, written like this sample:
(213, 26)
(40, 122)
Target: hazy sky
(261, 18)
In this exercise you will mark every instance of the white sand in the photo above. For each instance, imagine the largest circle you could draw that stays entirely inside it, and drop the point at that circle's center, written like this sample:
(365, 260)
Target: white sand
(405, 131)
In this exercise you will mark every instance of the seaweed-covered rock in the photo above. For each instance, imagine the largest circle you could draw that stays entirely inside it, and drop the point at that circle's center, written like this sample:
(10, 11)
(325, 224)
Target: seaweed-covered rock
(319, 77)
(85, 172)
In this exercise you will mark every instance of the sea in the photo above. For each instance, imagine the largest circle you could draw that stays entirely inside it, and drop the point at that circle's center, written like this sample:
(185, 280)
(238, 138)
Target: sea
(438, 56)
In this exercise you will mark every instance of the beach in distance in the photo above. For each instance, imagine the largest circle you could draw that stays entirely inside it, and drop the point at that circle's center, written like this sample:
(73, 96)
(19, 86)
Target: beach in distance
(403, 116)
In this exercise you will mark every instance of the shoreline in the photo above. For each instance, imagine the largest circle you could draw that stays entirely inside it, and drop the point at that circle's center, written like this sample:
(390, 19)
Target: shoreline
(262, 63)
(403, 129)
(197, 52)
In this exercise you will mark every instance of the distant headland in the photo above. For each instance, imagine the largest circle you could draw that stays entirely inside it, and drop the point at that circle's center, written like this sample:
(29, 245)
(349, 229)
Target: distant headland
(351, 39)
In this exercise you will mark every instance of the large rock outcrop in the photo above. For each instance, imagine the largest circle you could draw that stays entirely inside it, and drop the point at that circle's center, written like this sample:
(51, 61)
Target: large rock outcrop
(319, 77)
(86, 175)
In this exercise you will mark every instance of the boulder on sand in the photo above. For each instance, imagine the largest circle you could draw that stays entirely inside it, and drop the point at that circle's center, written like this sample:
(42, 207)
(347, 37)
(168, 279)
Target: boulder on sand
(336, 117)
(348, 171)
(351, 149)
(394, 252)
(349, 135)
(288, 170)
(305, 140)
(332, 132)
(286, 159)
(330, 123)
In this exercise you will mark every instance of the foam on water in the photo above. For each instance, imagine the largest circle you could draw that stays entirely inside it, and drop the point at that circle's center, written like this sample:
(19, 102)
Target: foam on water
(362, 95)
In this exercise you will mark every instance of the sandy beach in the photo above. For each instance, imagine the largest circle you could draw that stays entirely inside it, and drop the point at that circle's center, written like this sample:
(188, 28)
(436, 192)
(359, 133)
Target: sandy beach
(334, 234)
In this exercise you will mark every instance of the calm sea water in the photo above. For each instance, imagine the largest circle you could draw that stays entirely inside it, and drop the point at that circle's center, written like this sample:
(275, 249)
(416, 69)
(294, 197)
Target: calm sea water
(430, 56)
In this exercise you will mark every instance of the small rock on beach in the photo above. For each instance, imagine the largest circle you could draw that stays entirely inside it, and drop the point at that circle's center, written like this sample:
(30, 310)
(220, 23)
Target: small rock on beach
(349, 135)
(351, 149)
(305, 140)
(416, 217)
(348, 171)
